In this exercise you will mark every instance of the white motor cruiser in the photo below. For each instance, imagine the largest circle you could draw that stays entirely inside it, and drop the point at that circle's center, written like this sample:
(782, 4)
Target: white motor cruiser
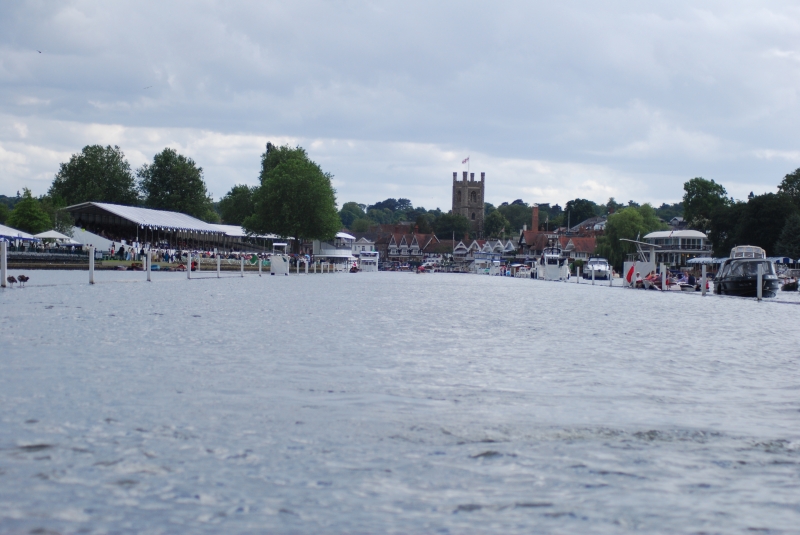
(553, 265)
(598, 266)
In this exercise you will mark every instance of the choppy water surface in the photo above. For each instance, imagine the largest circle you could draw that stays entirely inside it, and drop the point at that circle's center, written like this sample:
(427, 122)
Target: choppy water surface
(393, 402)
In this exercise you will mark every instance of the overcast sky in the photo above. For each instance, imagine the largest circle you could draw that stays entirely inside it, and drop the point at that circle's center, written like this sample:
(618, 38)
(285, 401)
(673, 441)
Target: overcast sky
(553, 100)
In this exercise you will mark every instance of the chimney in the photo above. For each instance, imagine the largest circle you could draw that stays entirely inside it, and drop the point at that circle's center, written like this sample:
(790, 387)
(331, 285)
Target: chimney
(535, 218)
(455, 176)
(483, 176)
(472, 177)
(465, 176)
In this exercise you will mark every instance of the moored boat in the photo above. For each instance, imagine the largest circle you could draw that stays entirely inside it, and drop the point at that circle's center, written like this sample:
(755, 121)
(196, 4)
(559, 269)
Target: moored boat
(598, 266)
(738, 275)
(552, 265)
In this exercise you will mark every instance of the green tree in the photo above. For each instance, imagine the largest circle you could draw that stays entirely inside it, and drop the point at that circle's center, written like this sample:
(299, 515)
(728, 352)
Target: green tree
(4, 211)
(613, 206)
(579, 210)
(96, 174)
(174, 182)
(724, 227)
(60, 219)
(495, 225)
(788, 243)
(517, 214)
(350, 212)
(423, 224)
(28, 215)
(295, 198)
(450, 224)
(700, 199)
(361, 225)
(629, 223)
(763, 220)
(790, 185)
(488, 208)
(237, 204)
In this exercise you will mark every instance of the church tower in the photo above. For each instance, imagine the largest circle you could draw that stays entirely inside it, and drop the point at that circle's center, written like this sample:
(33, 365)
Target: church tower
(468, 200)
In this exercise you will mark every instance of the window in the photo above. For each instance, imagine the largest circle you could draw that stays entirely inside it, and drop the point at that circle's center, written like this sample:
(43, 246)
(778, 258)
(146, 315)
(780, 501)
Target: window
(473, 216)
(458, 196)
(473, 197)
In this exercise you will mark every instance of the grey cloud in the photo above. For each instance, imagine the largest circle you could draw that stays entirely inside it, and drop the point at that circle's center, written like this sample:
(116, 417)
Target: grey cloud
(664, 90)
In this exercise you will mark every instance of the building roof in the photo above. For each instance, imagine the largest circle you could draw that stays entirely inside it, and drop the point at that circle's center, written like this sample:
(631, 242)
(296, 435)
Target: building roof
(146, 217)
(14, 234)
(675, 234)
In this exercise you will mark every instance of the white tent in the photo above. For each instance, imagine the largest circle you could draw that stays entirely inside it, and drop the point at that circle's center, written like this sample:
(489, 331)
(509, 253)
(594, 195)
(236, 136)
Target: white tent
(52, 235)
(14, 234)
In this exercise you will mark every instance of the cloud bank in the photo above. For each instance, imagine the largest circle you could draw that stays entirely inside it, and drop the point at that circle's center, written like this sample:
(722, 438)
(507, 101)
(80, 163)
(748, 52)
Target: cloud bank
(623, 99)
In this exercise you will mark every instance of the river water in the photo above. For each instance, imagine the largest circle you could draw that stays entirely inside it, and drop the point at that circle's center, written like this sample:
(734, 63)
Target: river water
(392, 402)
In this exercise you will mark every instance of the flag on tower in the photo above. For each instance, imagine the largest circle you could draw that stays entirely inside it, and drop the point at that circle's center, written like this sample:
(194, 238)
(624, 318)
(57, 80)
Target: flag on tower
(465, 160)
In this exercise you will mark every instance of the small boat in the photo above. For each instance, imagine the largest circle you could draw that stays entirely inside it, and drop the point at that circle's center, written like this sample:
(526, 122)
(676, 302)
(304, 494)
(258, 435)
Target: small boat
(738, 275)
(598, 266)
(789, 286)
(553, 264)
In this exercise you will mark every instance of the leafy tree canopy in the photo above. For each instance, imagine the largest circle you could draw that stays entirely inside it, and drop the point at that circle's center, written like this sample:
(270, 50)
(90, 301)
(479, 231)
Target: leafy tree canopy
(790, 185)
(763, 219)
(61, 220)
(788, 243)
(174, 182)
(361, 225)
(28, 215)
(350, 212)
(496, 225)
(516, 214)
(630, 223)
(452, 224)
(580, 210)
(96, 174)
(4, 212)
(668, 211)
(295, 198)
(237, 204)
(423, 223)
(700, 199)
(613, 206)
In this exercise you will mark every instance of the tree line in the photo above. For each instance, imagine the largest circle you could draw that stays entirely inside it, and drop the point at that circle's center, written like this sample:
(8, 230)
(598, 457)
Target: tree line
(770, 221)
(503, 221)
(294, 196)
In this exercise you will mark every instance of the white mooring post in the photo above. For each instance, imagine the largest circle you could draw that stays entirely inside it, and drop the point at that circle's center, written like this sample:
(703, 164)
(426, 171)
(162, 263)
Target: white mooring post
(663, 277)
(91, 265)
(189, 266)
(149, 262)
(259, 265)
(241, 259)
(578, 275)
(306, 267)
(216, 255)
(593, 277)
(703, 282)
(3, 263)
(760, 281)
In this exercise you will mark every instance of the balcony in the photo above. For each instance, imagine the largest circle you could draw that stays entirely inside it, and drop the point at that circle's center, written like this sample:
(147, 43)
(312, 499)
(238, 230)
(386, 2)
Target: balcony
(680, 247)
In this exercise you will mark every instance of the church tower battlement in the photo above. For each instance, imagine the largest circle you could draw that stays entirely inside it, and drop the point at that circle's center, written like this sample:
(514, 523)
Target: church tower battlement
(468, 200)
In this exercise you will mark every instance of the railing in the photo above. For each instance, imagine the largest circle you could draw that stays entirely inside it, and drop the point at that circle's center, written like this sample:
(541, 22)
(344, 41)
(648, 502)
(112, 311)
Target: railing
(678, 247)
